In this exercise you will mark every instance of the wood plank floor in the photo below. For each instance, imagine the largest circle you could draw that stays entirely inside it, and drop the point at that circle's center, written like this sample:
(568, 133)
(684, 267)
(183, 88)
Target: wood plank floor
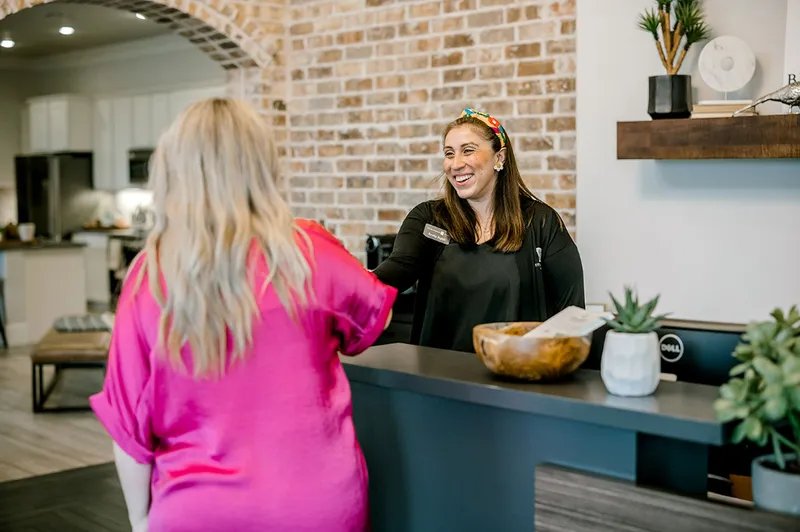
(36, 444)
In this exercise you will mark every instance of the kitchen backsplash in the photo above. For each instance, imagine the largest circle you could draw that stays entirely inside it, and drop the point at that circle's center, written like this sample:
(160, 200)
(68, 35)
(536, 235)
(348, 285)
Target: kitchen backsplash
(122, 203)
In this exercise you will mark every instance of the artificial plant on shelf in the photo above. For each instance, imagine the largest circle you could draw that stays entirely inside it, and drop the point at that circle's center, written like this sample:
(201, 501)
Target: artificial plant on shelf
(762, 400)
(675, 25)
(631, 360)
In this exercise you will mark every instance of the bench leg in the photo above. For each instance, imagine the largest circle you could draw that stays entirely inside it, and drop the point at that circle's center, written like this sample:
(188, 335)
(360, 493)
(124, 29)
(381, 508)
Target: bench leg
(40, 392)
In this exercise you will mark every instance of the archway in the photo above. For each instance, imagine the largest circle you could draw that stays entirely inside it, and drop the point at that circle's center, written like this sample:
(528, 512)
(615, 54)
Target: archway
(248, 48)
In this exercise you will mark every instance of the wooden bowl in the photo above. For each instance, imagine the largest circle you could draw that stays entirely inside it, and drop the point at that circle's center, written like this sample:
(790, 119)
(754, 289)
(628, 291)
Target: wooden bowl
(503, 350)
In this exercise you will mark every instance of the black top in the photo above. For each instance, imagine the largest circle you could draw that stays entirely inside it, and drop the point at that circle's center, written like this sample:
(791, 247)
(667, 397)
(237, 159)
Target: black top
(491, 291)
(548, 266)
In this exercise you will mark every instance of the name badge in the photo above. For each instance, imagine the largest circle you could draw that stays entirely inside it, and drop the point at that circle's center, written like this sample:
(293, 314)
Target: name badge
(437, 234)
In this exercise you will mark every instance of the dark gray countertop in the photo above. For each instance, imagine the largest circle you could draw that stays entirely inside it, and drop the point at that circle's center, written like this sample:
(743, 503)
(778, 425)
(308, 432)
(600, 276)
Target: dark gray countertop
(676, 410)
(16, 245)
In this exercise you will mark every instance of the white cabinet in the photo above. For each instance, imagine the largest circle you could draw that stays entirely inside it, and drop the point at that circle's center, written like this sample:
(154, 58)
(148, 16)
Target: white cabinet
(57, 123)
(180, 100)
(122, 135)
(97, 265)
(142, 134)
(160, 116)
(126, 122)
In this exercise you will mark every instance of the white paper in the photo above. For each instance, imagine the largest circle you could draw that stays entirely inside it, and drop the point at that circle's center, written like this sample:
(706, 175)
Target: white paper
(572, 321)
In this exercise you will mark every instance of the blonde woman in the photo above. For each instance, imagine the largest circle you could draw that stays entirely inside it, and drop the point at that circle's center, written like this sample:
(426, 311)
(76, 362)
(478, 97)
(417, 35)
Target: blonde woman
(224, 394)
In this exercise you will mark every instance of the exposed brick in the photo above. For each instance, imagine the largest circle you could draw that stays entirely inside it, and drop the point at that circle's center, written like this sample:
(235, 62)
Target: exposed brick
(561, 46)
(485, 18)
(395, 215)
(374, 82)
(380, 166)
(524, 50)
(459, 75)
(449, 59)
(535, 143)
(360, 182)
(458, 41)
(561, 123)
(560, 200)
(536, 68)
(539, 106)
(557, 162)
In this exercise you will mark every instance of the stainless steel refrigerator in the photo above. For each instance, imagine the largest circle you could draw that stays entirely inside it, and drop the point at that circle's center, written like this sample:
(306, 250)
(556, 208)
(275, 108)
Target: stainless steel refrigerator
(55, 192)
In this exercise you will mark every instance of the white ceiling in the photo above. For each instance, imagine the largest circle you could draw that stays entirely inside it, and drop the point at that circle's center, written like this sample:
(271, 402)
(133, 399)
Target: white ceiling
(35, 29)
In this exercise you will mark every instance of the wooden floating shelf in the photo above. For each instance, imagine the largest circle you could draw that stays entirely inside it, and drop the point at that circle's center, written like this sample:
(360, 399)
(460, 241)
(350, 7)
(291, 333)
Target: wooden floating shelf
(741, 137)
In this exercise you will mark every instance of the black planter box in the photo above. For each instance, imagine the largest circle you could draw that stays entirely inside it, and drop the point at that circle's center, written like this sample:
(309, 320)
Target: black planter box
(670, 97)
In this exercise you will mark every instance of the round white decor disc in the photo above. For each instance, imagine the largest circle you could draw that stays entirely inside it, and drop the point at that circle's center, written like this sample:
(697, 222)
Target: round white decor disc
(726, 63)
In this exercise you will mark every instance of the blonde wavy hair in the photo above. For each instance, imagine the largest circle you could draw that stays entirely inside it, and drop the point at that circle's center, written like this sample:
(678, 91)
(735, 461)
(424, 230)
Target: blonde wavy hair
(214, 176)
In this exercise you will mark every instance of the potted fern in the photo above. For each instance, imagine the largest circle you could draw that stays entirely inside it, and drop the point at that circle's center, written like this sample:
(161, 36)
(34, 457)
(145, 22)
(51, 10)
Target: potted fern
(676, 25)
(762, 400)
(631, 362)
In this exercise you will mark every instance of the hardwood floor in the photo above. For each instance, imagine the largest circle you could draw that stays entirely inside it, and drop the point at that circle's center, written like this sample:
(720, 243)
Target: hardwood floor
(37, 444)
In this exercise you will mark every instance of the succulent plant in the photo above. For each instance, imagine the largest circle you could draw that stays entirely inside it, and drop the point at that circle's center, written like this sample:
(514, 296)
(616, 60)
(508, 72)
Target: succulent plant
(763, 394)
(689, 23)
(632, 317)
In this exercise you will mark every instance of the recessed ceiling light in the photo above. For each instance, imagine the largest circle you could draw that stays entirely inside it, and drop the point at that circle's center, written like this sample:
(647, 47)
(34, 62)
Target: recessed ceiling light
(140, 16)
(66, 30)
(7, 43)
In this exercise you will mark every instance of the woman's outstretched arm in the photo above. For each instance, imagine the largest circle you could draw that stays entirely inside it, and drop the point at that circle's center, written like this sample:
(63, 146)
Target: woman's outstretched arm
(411, 249)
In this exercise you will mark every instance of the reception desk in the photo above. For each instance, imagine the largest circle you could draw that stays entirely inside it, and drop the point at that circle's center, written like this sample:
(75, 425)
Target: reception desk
(449, 446)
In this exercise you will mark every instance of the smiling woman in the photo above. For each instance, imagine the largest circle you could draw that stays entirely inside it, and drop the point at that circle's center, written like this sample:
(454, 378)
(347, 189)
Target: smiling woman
(489, 250)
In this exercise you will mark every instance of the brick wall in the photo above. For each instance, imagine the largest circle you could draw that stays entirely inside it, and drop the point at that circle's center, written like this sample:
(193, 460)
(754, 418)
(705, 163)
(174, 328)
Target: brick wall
(373, 82)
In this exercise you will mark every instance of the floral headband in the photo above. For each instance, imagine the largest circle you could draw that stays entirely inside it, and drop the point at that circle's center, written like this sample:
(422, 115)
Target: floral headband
(489, 121)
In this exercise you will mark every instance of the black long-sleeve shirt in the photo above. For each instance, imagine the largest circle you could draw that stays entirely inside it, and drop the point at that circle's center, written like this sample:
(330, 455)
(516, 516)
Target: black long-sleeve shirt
(456, 290)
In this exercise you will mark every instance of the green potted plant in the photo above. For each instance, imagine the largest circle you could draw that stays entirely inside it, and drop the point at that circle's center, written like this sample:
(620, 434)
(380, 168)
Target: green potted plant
(762, 400)
(631, 362)
(675, 25)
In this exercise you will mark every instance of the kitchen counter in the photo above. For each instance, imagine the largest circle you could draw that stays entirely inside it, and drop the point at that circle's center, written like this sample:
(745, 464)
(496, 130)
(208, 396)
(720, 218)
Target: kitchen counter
(17, 245)
(42, 281)
(451, 446)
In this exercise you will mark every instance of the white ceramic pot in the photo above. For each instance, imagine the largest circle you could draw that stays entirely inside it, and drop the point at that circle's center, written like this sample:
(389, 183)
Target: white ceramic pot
(631, 363)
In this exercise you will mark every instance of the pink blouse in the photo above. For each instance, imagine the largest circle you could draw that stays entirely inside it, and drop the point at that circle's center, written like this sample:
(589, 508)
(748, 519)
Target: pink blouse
(271, 445)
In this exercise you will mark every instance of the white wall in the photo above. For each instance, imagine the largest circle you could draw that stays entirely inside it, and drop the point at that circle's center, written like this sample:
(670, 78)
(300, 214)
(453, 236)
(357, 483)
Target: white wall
(792, 49)
(717, 239)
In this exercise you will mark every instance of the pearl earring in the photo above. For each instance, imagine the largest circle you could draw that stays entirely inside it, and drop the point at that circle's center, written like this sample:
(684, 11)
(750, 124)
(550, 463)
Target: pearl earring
(498, 166)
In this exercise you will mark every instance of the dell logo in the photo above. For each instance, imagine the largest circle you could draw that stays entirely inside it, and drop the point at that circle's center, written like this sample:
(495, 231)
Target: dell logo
(671, 347)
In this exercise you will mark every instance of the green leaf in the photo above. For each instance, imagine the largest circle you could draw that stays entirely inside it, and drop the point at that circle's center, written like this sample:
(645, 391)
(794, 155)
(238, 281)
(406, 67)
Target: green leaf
(775, 408)
(739, 369)
(744, 352)
(790, 367)
(725, 409)
(794, 395)
(753, 428)
(768, 369)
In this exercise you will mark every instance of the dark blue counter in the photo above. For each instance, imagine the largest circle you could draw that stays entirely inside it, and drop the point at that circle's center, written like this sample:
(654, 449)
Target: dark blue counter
(450, 446)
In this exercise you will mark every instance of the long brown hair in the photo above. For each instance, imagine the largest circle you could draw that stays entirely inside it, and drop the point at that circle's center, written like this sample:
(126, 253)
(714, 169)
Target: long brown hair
(458, 217)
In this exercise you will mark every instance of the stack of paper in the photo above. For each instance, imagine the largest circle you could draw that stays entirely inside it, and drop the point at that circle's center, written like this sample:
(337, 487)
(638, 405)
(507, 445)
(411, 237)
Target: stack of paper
(572, 321)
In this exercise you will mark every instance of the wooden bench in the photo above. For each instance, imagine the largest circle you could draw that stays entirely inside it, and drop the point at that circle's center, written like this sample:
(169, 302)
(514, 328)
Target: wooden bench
(65, 350)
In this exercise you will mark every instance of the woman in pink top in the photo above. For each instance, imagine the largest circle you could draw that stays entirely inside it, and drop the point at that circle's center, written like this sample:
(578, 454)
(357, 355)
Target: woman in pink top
(224, 394)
